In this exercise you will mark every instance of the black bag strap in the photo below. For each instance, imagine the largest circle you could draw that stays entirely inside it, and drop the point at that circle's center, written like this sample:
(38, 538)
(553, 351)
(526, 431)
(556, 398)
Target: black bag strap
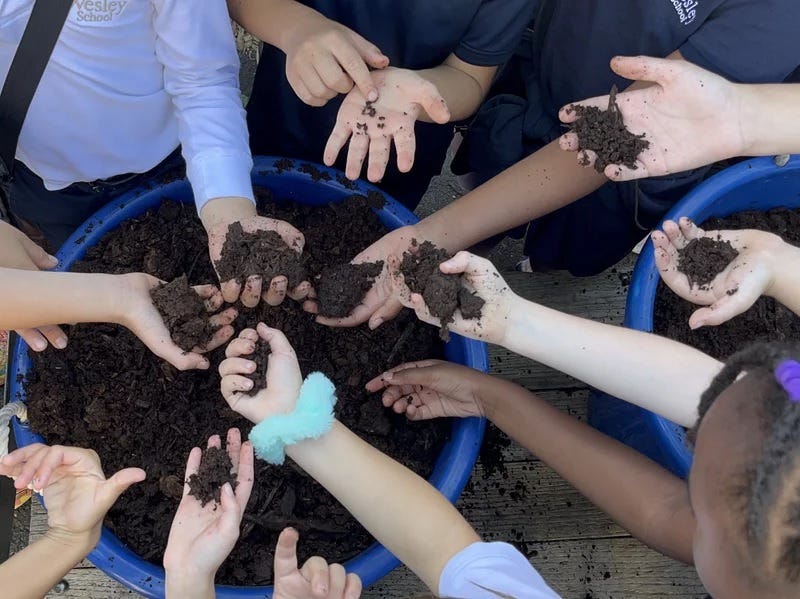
(33, 53)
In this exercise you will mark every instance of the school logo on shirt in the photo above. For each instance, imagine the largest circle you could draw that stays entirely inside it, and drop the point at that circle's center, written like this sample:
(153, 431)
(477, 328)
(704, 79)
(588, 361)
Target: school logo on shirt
(686, 9)
(99, 10)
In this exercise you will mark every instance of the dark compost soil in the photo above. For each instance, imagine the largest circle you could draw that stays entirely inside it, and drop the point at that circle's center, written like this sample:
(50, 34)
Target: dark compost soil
(184, 313)
(341, 288)
(704, 258)
(215, 470)
(108, 392)
(604, 132)
(259, 376)
(443, 293)
(765, 321)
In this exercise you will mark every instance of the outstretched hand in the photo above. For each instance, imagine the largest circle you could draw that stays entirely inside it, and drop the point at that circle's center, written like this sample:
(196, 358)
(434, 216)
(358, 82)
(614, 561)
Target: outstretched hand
(478, 275)
(689, 116)
(372, 126)
(736, 288)
(315, 580)
(144, 321)
(430, 389)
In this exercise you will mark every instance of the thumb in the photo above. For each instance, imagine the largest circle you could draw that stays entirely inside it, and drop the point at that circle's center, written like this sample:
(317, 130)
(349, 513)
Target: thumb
(115, 486)
(371, 54)
(387, 311)
(286, 554)
(434, 104)
(466, 263)
(644, 68)
(38, 256)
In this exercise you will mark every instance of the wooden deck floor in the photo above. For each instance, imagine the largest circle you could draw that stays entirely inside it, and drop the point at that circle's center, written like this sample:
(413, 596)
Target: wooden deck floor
(578, 550)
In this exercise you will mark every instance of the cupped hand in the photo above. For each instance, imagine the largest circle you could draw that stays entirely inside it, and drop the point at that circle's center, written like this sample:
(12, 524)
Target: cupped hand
(142, 318)
(689, 116)
(315, 580)
(201, 537)
(284, 378)
(18, 251)
(430, 389)
(749, 276)
(372, 126)
(380, 303)
(324, 59)
(478, 275)
(71, 480)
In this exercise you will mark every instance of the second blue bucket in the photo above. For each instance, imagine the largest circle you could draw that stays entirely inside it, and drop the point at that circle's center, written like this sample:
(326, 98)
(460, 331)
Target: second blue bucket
(757, 184)
(455, 464)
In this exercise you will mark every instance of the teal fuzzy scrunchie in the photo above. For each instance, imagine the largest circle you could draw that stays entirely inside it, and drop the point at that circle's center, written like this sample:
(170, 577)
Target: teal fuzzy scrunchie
(312, 418)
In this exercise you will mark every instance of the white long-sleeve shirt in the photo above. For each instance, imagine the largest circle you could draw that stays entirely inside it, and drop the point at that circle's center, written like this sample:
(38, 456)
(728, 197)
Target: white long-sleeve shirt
(127, 82)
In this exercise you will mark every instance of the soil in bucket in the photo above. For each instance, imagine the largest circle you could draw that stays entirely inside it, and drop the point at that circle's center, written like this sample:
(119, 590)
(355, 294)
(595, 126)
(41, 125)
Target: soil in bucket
(604, 133)
(215, 470)
(108, 392)
(184, 313)
(765, 321)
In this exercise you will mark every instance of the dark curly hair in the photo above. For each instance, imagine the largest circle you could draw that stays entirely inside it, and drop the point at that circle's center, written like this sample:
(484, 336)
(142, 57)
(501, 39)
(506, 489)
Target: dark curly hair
(772, 494)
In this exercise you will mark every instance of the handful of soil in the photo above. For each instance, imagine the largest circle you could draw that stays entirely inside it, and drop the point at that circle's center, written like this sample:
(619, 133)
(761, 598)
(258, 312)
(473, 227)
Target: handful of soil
(704, 258)
(215, 470)
(604, 132)
(341, 288)
(259, 253)
(184, 313)
(259, 376)
(443, 293)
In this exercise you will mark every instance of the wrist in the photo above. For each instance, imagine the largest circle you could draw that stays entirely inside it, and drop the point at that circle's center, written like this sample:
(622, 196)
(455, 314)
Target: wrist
(785, 260)
(520, 325)
(294, 18)
(189, 582)
(748, 114)
(226, 211)
(81, 542)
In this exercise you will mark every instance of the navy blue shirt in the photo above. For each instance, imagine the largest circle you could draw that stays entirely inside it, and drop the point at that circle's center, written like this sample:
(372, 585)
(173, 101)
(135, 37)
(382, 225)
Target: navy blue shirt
(414, 34)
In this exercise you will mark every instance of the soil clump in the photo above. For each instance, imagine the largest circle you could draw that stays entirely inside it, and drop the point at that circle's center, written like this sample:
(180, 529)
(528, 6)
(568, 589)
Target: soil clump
(215, 470)
(704, 258)
(341, 288)
(184, 313)
(259, 376)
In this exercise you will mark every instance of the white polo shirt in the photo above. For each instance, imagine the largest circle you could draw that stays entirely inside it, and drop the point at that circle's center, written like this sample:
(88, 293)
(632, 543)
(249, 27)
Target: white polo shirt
(128, 81)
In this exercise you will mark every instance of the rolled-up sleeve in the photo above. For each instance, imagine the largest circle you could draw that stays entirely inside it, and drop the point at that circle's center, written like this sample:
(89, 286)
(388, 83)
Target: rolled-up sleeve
(194, 42)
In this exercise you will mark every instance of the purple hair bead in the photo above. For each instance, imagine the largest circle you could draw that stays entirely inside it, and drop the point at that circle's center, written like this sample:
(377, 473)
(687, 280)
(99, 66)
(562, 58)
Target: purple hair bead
(788, 375)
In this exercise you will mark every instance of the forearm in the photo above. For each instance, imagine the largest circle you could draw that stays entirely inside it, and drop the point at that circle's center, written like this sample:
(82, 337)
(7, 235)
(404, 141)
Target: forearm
(463, 92)
(33, 299)
(401, 510)
(653, 372)
(270, 20)
(770, 118)
(535, 186)
(639, 495)
(786, 287)
(35, 570)
(180, 584)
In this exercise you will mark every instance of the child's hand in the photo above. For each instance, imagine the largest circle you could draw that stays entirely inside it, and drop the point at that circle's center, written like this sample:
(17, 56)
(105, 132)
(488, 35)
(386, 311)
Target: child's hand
(18, 251)
(315, 580)
(283, 375)
(479, 275)
(403, 96)
(324, 59)
(735, 289)
(690, 117)
(141, 317)
(75, 490)
(430, 389)
(202, 537)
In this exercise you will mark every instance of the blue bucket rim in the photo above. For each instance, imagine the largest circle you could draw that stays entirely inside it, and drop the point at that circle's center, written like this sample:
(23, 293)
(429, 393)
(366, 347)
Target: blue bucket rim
(453, 467)
(640, 304)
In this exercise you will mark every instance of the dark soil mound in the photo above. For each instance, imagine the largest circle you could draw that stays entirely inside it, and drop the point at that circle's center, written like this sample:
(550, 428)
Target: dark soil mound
(341, 288)
(259, 253)
(604, 132)
(184, 313)
(704, 258)
(443, 293)
(107, 391)
(765, 321)
(259, 375)
(215, 470)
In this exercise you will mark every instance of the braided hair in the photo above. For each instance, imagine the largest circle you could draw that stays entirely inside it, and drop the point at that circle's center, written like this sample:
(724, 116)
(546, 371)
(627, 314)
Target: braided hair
(772, 494)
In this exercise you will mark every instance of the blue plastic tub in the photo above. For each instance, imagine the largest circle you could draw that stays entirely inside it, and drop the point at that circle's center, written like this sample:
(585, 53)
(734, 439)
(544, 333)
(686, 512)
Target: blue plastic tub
(757, 184)
(454, 466)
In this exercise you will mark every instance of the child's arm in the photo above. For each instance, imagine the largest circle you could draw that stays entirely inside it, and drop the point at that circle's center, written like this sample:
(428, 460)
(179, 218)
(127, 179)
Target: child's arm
(77, 496)
(766, 265)
(693, 117)
(639, 495)
(653, 372)
(36, 299)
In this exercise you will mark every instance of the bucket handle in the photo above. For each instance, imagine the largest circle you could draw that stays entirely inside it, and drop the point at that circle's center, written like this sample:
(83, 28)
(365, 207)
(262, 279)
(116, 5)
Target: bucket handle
(7, 412)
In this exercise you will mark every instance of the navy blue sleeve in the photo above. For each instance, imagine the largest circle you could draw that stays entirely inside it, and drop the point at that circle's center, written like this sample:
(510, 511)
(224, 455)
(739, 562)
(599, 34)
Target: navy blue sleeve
(747, 41)
(495, 31)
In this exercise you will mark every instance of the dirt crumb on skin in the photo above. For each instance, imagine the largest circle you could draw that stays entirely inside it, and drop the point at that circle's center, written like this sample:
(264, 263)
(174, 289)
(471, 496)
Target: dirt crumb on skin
(184, 313)
(215, 470)
(259, 253)
(443, 293)
(259, 376)
(604, 133)
(704, 258)
(341, 288)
